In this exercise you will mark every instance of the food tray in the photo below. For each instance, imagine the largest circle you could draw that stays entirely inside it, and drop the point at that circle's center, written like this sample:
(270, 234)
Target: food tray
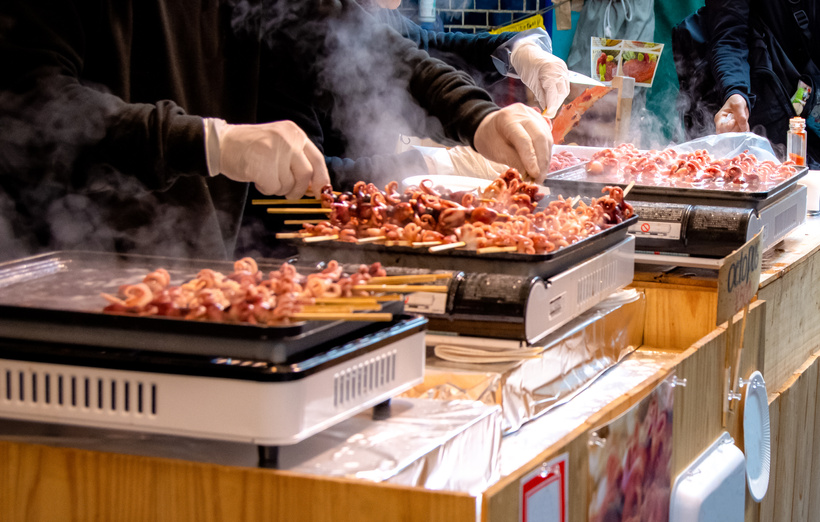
(55, 297)
(543, 265)
(576, 180)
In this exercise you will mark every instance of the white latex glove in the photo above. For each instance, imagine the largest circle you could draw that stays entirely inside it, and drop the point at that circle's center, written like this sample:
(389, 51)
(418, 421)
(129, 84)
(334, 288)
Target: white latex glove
(518, 136)
(545, 74)
(460, 161)
(733, 116)
(277, 157)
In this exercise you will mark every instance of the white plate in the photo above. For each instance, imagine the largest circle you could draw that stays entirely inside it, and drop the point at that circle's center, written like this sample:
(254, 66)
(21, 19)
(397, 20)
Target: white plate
(453, 183)
(756, 436)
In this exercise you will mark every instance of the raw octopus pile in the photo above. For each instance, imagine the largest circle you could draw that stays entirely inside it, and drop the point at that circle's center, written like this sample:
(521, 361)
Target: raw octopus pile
(505, 214)
(564, 159)
(698, 169)
(246, 295)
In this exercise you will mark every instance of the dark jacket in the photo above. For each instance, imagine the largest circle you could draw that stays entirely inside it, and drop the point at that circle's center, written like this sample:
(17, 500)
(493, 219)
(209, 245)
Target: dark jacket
(98, 146)
(757, 49)
(358, 135)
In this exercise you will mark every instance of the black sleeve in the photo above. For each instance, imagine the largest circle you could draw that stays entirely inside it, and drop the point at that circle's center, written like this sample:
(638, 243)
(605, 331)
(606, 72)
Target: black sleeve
(43, 95)
(728, 47)
(457, 49)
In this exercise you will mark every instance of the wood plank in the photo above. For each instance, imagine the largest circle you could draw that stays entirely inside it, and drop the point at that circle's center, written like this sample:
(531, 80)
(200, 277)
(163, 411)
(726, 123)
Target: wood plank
(766, 507)
(697, 416)
(781, 483)
(803, 441)
(814, 463)
(677, 316)
(46, 484)
(793, 331)
(751, 358)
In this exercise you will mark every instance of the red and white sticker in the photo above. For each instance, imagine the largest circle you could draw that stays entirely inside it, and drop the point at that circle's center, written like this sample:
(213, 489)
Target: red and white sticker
(544, 492)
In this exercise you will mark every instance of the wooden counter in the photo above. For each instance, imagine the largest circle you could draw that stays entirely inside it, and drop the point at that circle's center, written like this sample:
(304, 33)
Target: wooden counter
(40, 483)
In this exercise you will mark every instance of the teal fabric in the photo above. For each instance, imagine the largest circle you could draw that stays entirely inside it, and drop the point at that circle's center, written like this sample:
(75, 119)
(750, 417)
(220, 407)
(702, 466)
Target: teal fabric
(662, 120)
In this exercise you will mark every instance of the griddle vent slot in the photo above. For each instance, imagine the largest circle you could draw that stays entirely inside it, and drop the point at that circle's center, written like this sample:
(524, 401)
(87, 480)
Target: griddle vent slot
(68, 391)
(592, 284)
(784, 221)
(356, 382)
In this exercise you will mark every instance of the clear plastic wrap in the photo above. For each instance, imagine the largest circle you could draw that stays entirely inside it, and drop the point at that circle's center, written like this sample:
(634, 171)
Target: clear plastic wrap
(413, 443)
(572, 358)
(730, 144)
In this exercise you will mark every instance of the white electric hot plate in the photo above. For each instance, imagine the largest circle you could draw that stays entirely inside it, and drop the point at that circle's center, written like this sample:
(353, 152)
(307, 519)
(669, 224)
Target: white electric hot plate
(756, 436)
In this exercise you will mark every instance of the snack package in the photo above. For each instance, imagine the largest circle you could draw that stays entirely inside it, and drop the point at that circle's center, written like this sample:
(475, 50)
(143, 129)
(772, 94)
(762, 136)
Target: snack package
(610, 58)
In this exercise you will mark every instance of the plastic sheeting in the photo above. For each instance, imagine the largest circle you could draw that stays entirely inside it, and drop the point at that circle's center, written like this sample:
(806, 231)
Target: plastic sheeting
(413, 442)
(573, 357)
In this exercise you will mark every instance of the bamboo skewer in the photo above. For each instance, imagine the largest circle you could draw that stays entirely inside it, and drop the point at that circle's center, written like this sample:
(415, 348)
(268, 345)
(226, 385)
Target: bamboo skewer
(341, 316)
(342, 308)
(446, 246)
(404, 289)
(303, 221)
(289, 235)
(496, 249)
(371, 239)
(306, 210)
(319, 239)
(404, 279)
(421, 244)
(628, 188)
(359, 299)
(397, 243)
(305, 201)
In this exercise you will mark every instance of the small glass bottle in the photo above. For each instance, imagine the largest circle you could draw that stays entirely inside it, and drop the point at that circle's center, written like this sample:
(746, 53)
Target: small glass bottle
(796, 141)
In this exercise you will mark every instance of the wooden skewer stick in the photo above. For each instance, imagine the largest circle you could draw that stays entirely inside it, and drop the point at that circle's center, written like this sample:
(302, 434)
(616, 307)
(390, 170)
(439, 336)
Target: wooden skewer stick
(305, 201)
(629, 187)
(341, 316)
(496, 249)
(446, 246)
(289, 235)
(403, 279)
(397, 243)
(344, 301)
(421, 244)
(318, 239)
(342, 308)
(303, 221)
(291, 210)
(371, 239)
(404, 289)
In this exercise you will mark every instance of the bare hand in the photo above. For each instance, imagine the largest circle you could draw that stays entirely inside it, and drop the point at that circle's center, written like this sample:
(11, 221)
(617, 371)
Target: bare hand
(733, 116)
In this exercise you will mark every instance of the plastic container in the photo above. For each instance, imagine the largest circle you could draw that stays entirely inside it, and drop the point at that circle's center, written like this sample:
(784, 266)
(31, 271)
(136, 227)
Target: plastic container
(796, 141)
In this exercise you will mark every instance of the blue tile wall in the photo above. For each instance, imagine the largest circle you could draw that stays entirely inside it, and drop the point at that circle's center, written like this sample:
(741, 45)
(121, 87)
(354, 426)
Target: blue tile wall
(475, 16)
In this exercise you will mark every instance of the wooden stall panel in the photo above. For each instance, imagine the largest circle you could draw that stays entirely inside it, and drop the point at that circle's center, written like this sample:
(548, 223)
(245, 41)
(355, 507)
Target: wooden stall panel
(793, 329)
(43, 484)
(677, 316)
(804, 443)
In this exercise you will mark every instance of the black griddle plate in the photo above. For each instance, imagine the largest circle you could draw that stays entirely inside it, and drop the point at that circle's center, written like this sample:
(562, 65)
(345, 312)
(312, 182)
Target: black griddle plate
(575, 180)
(55, 297)
(543, 265)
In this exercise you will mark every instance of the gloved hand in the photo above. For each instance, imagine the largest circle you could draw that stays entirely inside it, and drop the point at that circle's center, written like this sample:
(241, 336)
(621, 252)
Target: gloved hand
(277, 157)
(460, 161)
(733, 116)
(544, 73)
(518, 136)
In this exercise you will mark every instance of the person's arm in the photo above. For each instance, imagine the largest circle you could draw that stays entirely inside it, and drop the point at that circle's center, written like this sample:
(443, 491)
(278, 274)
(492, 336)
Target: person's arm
(729, 58)
(471, 49)
(42, 57)
(69, 123)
